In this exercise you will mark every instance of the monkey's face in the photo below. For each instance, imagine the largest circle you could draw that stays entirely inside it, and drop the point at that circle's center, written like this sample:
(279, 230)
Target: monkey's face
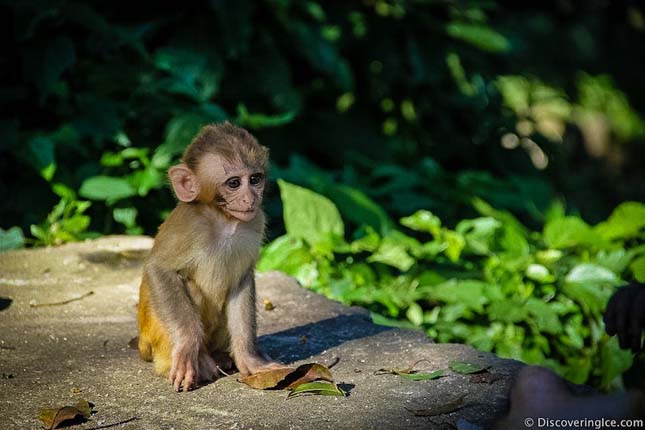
(234, 187)
(240, 194)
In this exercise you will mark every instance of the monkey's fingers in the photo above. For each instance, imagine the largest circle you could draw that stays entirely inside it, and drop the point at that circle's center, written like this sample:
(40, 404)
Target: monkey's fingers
(189, 377)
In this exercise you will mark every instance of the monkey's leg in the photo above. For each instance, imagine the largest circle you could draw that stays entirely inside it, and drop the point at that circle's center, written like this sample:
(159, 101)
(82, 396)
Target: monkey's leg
(241, 324)
(154, 342)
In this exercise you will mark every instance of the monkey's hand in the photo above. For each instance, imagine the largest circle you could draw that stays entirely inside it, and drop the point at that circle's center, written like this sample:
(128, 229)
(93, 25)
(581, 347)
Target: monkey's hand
(191, 365)
(625, 316)
(184, 365)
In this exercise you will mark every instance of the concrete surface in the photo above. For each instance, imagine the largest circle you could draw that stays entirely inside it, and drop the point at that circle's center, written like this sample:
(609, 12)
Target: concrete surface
(54, 355)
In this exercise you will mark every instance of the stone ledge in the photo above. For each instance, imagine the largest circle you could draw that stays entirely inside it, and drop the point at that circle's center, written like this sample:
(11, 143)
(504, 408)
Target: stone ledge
(54, 352)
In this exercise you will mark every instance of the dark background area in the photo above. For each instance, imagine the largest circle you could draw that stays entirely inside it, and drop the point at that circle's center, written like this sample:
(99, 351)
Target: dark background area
(399, 99)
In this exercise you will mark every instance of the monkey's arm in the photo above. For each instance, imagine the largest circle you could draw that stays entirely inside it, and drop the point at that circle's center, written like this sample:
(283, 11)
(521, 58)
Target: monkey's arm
(242, 326)
(173, 305)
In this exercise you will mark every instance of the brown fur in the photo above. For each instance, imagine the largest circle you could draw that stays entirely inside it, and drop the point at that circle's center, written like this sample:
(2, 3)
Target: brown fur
(197, 296)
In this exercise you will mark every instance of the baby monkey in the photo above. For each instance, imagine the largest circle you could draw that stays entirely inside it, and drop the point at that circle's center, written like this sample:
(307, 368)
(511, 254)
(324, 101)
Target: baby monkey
(197, 296)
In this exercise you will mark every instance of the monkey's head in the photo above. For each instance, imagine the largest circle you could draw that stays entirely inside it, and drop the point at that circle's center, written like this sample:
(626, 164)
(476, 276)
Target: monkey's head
(224, 167)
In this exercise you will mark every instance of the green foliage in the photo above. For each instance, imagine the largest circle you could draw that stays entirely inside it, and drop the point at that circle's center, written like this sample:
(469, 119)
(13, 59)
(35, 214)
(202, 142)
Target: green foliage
(65, 223)
(539, 301)
(12, 238)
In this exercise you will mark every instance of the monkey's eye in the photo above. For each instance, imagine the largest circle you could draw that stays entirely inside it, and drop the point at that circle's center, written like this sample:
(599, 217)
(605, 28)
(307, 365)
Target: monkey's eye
(233, 182)
(256, 178)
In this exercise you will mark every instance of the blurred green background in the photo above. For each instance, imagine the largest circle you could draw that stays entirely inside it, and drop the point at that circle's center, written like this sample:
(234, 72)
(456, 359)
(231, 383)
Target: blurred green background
(463, 162)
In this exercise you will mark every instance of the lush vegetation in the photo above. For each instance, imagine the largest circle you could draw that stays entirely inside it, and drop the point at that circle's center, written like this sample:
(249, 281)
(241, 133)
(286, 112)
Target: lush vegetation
(466, 111)
(489, 282)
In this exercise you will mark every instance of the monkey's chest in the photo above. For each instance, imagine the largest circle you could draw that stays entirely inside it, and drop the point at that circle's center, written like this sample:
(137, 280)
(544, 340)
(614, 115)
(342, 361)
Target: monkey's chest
(225, 263)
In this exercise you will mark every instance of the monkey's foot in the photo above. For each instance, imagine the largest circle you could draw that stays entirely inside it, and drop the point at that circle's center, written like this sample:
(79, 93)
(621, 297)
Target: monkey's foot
(250, 364)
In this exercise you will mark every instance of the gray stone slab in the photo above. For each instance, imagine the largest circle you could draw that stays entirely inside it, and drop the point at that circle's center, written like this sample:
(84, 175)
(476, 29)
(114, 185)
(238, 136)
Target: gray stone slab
(54, 355)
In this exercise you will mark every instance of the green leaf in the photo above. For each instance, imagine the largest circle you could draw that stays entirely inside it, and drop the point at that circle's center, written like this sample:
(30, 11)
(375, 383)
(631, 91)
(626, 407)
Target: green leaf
(505, 217)
(455, 243)
(479, 234)
(11, 238)
(626, 221)
(468, 293)
(145, 180)
(368, 242)
(539, 273)
(356, 206)
(592, 274)
(465, 368)
(616, 260)
(390, 322)
(106, 188)
(415, 314)
(392, 253)
(310, 216)
(568, 232)
(259, 120)
(509, 311)
(75, 224)
(424, 221)
(318, 388)
(422, 376)
(125, 216)
(638, 269)
(480, 36)
(546, 317)
(614, 361)
(285, 253)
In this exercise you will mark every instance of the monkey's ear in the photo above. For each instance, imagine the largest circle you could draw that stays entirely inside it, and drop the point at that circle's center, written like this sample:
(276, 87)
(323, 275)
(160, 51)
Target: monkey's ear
(184, 183)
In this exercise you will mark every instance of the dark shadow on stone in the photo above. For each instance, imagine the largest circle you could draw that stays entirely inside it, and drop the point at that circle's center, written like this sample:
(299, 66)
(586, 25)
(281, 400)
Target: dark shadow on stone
(347, 388)
(125, 258)
(310, 339)
(5, 302)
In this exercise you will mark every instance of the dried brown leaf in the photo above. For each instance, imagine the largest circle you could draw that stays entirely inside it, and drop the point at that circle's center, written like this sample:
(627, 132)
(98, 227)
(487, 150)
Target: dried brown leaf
(308, 373)
(267, 379)
(287, 378)
(53, 417)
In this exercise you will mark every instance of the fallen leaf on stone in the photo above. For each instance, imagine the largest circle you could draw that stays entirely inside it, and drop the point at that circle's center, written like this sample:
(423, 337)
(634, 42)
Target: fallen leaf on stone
(410, 373)
(445, 408)
(307, 373)
(318, 388)
(268, 379)
(287, 378)
(465, 368)
(423, 376)
(53, 417)
(485, 377)
(268, 305)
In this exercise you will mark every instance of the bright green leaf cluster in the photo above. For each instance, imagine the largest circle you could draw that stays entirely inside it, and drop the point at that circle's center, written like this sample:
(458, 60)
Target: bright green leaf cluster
(490, 282)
